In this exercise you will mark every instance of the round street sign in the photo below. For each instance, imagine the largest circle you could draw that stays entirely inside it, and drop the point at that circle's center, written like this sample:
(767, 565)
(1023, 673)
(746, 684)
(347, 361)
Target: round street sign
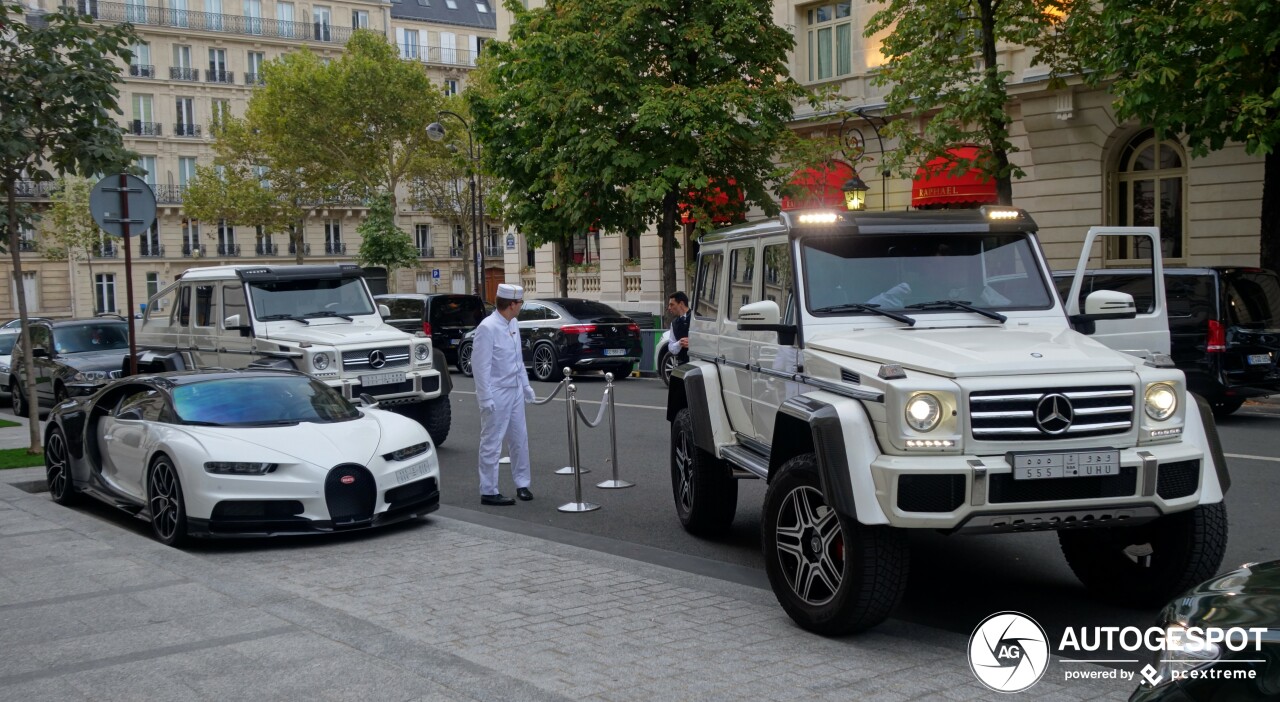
(104, 204)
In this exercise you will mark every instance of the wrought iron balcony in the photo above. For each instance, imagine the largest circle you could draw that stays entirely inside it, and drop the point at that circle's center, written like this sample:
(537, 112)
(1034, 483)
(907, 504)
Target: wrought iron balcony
(105, 251)
(169, 194)
(493, 252)
(138, 70)
(32, 189)
(189, 251)
(426, 252)
(335, 248)
(27, 245)
(293, 249)
(186, 130)
(151, 250)
(228, 249)
(219, 76)
(139, 128)
(164, 16)
(254, 79)
(438, 54)
(176, 73)
(267, 249)
(455, 252)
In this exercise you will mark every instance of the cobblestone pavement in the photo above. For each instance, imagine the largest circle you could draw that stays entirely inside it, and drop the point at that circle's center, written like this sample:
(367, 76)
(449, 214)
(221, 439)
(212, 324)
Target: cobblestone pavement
(441, 609)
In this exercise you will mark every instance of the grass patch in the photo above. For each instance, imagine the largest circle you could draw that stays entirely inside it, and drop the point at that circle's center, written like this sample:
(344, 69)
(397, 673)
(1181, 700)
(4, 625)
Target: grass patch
(19, 458)
(7, 423)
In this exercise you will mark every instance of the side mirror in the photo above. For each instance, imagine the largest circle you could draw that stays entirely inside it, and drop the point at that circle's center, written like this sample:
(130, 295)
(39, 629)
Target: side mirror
(1104, 305)
(765, 316)
(233, 322)
(384, 311)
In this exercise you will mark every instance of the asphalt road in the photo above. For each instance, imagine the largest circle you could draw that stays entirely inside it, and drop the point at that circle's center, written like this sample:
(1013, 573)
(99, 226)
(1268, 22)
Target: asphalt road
(956, 581)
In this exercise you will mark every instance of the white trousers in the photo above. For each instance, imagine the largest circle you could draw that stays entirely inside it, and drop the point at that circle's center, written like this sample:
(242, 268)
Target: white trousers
(504, 422)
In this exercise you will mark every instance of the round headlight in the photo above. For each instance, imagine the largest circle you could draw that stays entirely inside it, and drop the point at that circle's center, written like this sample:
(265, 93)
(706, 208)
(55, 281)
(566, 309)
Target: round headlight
(1161, 402)
(320, 361)
(923, 412)
(421, 352)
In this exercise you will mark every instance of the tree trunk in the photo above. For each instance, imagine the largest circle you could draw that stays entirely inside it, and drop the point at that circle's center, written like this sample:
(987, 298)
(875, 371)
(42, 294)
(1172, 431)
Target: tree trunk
(564, 255)
(28, 361)
(667, 235)
(997, 124)
(295, 238)
(1269, 236)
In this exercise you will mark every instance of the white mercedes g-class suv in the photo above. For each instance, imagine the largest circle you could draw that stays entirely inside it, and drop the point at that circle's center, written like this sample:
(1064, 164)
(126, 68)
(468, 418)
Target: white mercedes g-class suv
(321, 320)
(916, 370)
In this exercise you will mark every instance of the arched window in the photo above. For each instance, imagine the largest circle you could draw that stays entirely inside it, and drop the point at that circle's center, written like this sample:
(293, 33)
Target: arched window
(1150, 191)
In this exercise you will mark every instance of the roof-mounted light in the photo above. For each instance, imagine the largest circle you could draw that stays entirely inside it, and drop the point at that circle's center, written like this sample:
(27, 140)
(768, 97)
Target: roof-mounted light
(819, 218)
(1002, 214)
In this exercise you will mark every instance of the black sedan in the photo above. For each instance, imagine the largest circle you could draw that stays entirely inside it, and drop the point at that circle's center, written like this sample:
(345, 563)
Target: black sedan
(581, 334)
(72, 358)
(1222, 641)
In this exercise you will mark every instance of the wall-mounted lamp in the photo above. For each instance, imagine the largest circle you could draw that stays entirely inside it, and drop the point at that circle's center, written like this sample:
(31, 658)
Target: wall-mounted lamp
(855, 193)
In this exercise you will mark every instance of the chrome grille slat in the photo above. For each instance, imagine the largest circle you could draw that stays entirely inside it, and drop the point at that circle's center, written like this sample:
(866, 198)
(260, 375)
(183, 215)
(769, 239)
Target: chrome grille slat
(358, 359)
(1085, 411)
(1010, 415)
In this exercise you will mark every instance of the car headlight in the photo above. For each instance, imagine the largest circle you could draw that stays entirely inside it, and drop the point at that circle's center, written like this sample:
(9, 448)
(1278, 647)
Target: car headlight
(235, 468)
(320, 361)
(1184, 651)
(422, 352)
(923, 412)
(407, 452)
(4, 368)
(1161, 401)
(89, 376)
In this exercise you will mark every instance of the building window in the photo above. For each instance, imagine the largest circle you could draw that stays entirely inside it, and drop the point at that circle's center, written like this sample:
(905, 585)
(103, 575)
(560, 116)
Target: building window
(153, 284)
(1150, 191)
(459, 237)
(254, 75)
(190, 234)
(321, 24)
(332, 232)
(451, 87)
(409, 42)
(220, 109)
(104, 288)
(148, 166)
(30, 289)
(359, 19)
(422, 234)
(226, 236)
(830, 40)
(633, 248)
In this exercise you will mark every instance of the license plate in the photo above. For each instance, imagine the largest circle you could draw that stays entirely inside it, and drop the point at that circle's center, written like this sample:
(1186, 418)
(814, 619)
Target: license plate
(381, 379)
(615, 352)
(413, 472)
(1259, 359)
(453, 342)
(1076, 464)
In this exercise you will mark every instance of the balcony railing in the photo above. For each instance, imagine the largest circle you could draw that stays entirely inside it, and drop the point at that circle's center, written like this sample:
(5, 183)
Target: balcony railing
(426, 252)
(32, 189)
(138, 70)
(335, 248)
(162, 16)
(228, 249)
(254, 79)
(219, 76)
(139, 128)
(438, 54)
(176, 73)
(293, 249)
(262, 249)
(186, 130)
(169, 194)
(190, 251)
(105, 251)
(455, 252)
(151, 250)
(26, 244)
(493, 252)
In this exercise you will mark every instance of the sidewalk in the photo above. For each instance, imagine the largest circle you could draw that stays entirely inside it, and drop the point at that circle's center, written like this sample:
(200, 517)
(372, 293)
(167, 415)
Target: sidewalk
(92, 608)
(14, 437)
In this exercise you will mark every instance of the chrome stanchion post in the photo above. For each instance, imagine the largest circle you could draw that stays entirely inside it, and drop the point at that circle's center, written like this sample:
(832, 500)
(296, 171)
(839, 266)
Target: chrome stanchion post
(615, 483)
(577, 505)
(571, 421)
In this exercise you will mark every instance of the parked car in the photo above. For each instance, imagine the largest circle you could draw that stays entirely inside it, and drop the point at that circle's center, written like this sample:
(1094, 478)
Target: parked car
(240, 453)
(7, 338)
(17, 322)
(445, 317)
(667, 361)
(1224, 326)
(72, 358)
(1247, 597)
(581, 334)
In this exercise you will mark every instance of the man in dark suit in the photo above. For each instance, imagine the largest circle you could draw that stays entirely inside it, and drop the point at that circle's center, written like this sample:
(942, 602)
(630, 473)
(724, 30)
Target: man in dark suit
(678, 305)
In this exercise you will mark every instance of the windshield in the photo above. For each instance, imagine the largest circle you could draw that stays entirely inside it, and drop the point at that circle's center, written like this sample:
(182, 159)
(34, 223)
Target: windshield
(6, 343)
(84, 338)
(260, 401)
(303, 298)
(895, 271)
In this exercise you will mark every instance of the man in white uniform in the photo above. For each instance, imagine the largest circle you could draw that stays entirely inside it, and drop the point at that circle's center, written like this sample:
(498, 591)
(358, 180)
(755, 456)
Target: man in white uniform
(502, 389)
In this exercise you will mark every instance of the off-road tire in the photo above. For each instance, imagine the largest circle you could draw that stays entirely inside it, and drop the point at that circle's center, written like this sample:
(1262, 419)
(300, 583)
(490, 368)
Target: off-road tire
(464, 358)
(705, 492)
(852, 582)
(1186, 549)
(1226, 407)
(436, 416)
(57, 469)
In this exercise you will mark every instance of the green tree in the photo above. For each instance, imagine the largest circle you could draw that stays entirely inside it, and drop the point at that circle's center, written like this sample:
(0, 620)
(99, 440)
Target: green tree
(58, 98)
(609, 112)
(73, 235)
(941, 67)
(382, 243)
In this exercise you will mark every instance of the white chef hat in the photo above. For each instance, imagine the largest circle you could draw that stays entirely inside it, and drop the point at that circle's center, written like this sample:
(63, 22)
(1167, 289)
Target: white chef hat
(510, 292)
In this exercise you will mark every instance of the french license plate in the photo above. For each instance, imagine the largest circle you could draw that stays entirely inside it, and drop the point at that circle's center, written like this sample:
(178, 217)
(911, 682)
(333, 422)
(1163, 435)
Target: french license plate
(615, 352)
(413, 472)
(1076, 464)
(381, 379)
(1259, 359)
(453, 342)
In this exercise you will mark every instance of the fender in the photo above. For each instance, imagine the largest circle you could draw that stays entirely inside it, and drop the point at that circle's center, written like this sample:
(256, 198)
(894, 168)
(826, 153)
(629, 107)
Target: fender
(839, 433)
(1200, 429)
(439, 363)
(696, 385)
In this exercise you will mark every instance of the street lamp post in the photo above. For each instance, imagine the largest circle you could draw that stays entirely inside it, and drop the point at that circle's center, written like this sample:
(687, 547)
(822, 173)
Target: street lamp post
(436, 132)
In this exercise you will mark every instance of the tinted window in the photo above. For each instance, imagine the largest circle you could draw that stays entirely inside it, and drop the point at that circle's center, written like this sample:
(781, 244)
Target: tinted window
(204, 305)
(233, 302)
(90, 337)
(706, 303)
(777, 277)
(1253, 299)
(6, 343)
(587, 309)
(1190, 299)
(147, 405)
(456, 312)
(403, 307)
(260, 401)
(531, 313)
(182, 312)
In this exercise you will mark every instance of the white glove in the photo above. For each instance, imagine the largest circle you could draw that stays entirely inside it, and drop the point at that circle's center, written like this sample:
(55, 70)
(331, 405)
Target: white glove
(529, 395)
(486, 407)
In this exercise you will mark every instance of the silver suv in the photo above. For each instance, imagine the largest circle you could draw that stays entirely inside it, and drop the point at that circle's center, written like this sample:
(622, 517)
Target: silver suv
(916, 370)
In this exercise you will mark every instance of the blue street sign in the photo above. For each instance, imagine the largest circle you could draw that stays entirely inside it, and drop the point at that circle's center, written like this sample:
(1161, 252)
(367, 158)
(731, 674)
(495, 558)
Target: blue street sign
(435, 274)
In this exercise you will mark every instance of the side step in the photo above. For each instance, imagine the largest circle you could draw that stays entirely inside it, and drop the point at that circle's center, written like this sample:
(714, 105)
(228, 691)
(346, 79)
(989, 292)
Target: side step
(745, 460)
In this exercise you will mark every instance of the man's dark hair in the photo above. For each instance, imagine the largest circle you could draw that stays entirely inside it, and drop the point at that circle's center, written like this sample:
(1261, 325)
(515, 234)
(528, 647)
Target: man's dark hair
(503, 303)
(680, 297)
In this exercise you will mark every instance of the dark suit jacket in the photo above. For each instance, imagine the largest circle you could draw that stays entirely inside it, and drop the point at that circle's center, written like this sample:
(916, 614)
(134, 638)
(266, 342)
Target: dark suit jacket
(680, 330)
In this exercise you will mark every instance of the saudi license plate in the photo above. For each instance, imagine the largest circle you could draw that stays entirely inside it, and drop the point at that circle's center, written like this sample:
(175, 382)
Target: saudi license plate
(381, 379)
(1259, 359)
(1075, 464)
(413, 472)
(615, 352)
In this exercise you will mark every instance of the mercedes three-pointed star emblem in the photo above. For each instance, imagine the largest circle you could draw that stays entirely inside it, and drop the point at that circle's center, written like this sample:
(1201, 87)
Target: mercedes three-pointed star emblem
(376, 359)
(1054, 414)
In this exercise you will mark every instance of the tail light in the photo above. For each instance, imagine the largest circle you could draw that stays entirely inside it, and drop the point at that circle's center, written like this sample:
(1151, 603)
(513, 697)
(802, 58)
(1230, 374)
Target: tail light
(633, 328)
(426, 328)
(578, 328)
(1217, 339)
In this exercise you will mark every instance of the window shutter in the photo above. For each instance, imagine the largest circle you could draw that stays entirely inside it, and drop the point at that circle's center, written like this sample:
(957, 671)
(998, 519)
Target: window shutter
(475, 49)
(404, 50)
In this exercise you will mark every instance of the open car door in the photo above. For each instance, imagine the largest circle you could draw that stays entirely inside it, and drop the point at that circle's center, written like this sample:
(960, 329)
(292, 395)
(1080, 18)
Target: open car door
(1148, 331)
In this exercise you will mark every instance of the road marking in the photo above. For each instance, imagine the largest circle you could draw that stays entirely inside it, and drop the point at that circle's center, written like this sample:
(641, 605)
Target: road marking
(584, 402)
(1252, 458)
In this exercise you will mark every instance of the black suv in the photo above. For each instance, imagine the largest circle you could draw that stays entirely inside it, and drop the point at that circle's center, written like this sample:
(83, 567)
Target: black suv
(72, 358)
(444, 317)
(1224, 325)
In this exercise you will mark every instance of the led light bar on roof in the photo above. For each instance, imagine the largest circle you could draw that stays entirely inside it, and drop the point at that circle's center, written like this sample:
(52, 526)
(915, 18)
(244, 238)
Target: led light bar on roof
(819, 218)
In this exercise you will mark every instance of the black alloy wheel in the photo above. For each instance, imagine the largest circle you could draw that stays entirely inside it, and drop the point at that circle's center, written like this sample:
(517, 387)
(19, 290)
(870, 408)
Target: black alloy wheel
(19, 398)
(705, 492)
(164, 494)
(544, 364)
(57, 468)
(464, 358)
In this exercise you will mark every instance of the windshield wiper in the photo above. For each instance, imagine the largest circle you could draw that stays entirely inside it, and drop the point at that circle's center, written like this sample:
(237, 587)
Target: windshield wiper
(874, 309)
(199, 423)
(274, 317)
(958, 305)
(327, 313)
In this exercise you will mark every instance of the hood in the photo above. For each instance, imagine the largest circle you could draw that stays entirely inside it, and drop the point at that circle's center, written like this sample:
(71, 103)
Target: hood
(1247, 596)
(318, 444)
(95, 360)
(339, 332)
(977, 351)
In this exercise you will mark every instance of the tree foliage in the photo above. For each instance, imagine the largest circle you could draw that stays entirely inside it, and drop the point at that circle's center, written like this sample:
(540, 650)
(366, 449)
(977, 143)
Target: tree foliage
(609, 112)
(72, 234)
(942, 69)
(382, 243)
(58, 101)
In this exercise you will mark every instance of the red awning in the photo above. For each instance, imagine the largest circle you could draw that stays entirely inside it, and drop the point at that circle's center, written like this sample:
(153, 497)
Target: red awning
(825, 187)
(724, 208)
(935, 184)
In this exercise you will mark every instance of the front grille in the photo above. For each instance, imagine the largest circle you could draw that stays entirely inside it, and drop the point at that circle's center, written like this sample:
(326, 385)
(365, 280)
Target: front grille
(257, 517)
(930, 493)
(1178, 479)
(1003, 488)
(392, 356)
(350, 503)
(408, 494)
(1011, 415)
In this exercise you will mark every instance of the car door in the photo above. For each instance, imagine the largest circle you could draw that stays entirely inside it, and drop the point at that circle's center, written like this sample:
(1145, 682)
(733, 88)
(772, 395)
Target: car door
(235, 349)
(1146, 333)
(770, 391)
(124, 438)
(204, 325)
(735, 345)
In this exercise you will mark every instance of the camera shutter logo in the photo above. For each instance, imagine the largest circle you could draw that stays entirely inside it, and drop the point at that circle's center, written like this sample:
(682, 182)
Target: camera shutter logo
(1008, 652)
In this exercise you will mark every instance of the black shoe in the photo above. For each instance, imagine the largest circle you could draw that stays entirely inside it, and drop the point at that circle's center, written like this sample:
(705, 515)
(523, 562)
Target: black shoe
(524, 494)
(498, 500)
